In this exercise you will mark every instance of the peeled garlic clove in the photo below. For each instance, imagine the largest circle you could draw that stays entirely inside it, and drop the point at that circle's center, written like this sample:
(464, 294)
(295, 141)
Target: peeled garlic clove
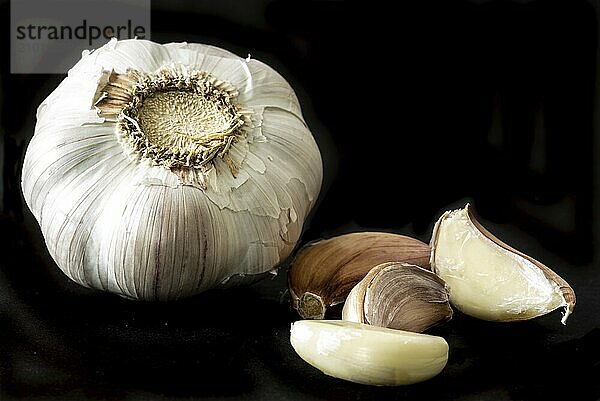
(489, 279)
(323, 273)
(399, 296)
(367, 354)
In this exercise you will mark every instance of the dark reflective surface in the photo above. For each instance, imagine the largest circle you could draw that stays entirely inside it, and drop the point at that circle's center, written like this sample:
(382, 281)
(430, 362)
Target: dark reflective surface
(416, 109)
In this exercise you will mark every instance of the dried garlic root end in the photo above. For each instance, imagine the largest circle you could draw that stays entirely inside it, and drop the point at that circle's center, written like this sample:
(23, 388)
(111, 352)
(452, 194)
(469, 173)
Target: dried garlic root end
(490, 280)
(311, 306)
(308, 305)
(367, 354)
(176, 117)
(399, 296)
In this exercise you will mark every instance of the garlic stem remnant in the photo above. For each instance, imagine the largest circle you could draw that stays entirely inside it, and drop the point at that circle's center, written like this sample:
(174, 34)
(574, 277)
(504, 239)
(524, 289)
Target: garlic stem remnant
(490, 280)
(399, 296)
(323, 273)
(161, 171)
(178, 118)
(367, 354)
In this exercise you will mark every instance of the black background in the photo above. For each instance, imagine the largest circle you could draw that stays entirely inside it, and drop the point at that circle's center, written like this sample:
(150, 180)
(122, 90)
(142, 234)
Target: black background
(417, 108)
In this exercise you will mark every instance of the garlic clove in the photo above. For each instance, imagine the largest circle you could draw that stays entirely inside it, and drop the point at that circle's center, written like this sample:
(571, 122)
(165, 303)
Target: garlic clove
(399, 296)
(489, 279)
(367, 354)
(323, 273)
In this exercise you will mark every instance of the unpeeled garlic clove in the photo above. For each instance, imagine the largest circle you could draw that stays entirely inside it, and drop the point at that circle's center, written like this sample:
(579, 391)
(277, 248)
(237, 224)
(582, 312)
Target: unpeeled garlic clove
(367, 354)
(399, 296)
(324, 272)
(489, 279)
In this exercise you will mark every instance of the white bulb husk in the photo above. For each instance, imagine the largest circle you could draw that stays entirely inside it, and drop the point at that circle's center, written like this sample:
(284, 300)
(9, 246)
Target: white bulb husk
(129, 227)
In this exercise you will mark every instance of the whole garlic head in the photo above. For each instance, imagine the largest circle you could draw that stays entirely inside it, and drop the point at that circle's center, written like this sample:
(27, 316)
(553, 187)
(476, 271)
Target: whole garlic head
(160, 171)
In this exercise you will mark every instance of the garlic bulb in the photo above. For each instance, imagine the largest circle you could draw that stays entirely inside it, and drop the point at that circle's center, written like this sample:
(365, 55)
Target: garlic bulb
(159, 171)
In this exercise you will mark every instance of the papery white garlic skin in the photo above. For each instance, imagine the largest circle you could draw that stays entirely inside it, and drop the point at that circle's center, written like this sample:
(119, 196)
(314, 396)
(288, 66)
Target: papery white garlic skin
(367, 354)
(123, 223)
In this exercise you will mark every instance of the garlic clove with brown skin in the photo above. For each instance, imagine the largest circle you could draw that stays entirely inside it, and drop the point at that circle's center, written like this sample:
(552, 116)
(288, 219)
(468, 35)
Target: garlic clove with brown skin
(323, 273)
(399, 296)
(490, 280)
